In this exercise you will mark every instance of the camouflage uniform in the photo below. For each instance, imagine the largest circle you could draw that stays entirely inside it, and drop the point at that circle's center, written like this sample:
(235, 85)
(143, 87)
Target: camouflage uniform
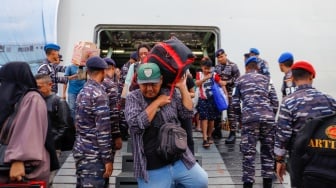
(263, 67)
(229, 72)
(122, 122)
(123, 74)
(288, 86)
(52, 70)
(259, 106)
(306, 102)
(110, 88)
(92, 148)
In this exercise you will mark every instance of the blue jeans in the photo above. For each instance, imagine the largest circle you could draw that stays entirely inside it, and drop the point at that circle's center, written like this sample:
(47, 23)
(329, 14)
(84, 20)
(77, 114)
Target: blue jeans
(176, 175)
(72, 104)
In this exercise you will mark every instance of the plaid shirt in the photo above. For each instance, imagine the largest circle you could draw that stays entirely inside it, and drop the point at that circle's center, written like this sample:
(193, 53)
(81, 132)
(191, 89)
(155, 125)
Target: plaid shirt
(137, 120)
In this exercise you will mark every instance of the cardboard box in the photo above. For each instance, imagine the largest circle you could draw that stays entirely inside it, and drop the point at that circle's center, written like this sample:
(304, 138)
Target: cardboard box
(82, 51)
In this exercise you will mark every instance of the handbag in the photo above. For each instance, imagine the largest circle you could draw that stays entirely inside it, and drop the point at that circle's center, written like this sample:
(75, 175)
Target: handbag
(219, 96)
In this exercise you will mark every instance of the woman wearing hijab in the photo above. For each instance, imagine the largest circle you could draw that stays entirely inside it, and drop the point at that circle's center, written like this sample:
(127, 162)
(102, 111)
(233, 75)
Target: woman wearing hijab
(28, 130)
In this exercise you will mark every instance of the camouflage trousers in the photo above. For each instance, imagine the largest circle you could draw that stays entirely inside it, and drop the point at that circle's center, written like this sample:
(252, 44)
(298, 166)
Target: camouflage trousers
(89, 172)
(231, 116)
(251, 133)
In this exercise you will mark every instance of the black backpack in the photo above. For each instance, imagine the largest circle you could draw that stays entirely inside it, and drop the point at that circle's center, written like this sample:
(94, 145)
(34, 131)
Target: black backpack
(173, 58)
(316, 136)
(61, 123)
(319, 128)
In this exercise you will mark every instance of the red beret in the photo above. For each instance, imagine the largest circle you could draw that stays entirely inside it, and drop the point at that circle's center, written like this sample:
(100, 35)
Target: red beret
(304, 65)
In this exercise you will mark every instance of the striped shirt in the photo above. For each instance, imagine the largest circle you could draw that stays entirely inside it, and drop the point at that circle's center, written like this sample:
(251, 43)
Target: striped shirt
(137, 120)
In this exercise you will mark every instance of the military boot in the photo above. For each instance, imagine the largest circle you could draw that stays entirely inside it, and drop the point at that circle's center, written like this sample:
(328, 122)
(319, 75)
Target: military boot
(267, 182)
(232, 138)
(217, 133)
(248, 185)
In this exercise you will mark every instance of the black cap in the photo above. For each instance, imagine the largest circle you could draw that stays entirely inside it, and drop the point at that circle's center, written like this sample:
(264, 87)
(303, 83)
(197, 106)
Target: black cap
(96, 62)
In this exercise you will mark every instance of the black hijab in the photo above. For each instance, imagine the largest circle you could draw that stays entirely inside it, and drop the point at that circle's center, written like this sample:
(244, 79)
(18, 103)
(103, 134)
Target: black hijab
(15, 80)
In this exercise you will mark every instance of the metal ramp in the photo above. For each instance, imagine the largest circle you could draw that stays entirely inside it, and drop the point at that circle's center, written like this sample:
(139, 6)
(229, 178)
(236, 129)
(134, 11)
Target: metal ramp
(222, 163)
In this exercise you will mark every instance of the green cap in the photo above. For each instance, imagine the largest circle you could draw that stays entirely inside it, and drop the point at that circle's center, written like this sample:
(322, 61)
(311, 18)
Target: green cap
(148, 73)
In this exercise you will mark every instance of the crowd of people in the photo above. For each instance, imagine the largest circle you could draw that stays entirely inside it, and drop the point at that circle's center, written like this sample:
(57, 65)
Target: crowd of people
(108, 105)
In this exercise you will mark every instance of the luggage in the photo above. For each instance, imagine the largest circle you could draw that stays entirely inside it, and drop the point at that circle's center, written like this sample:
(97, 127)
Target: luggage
(173, 58)
(25, 183)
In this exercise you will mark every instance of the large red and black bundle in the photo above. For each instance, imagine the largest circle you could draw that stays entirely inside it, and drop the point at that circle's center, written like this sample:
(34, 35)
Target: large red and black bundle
(173, 58)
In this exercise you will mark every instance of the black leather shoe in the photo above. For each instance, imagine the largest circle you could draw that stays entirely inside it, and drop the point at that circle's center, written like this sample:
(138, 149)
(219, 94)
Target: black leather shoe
(267, 182)
(248, 185)
(232, 138)
(217, 134)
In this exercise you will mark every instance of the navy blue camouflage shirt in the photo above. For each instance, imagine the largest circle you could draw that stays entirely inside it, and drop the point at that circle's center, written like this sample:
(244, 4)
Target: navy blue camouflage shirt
(306, 102)
(111, 89)
(93, 123)
(259, 100)
(228, 72)
(52, 69)
(288, 86)
(263, 67)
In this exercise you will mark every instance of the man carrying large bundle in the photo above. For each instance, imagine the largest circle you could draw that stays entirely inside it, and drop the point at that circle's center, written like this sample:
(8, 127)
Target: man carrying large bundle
(156, 95)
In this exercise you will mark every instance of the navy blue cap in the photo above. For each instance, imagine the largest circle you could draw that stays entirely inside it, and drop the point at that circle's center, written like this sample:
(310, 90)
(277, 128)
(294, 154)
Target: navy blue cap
(109, 61)
(134, 56)
(96, 62)
(255, 51)
(286, 56)
(250, 60)
(219, 52)
(52, 46)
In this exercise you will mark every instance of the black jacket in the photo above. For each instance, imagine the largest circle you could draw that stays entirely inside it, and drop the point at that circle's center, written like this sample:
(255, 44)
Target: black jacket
(61, 122)
(313, 152)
